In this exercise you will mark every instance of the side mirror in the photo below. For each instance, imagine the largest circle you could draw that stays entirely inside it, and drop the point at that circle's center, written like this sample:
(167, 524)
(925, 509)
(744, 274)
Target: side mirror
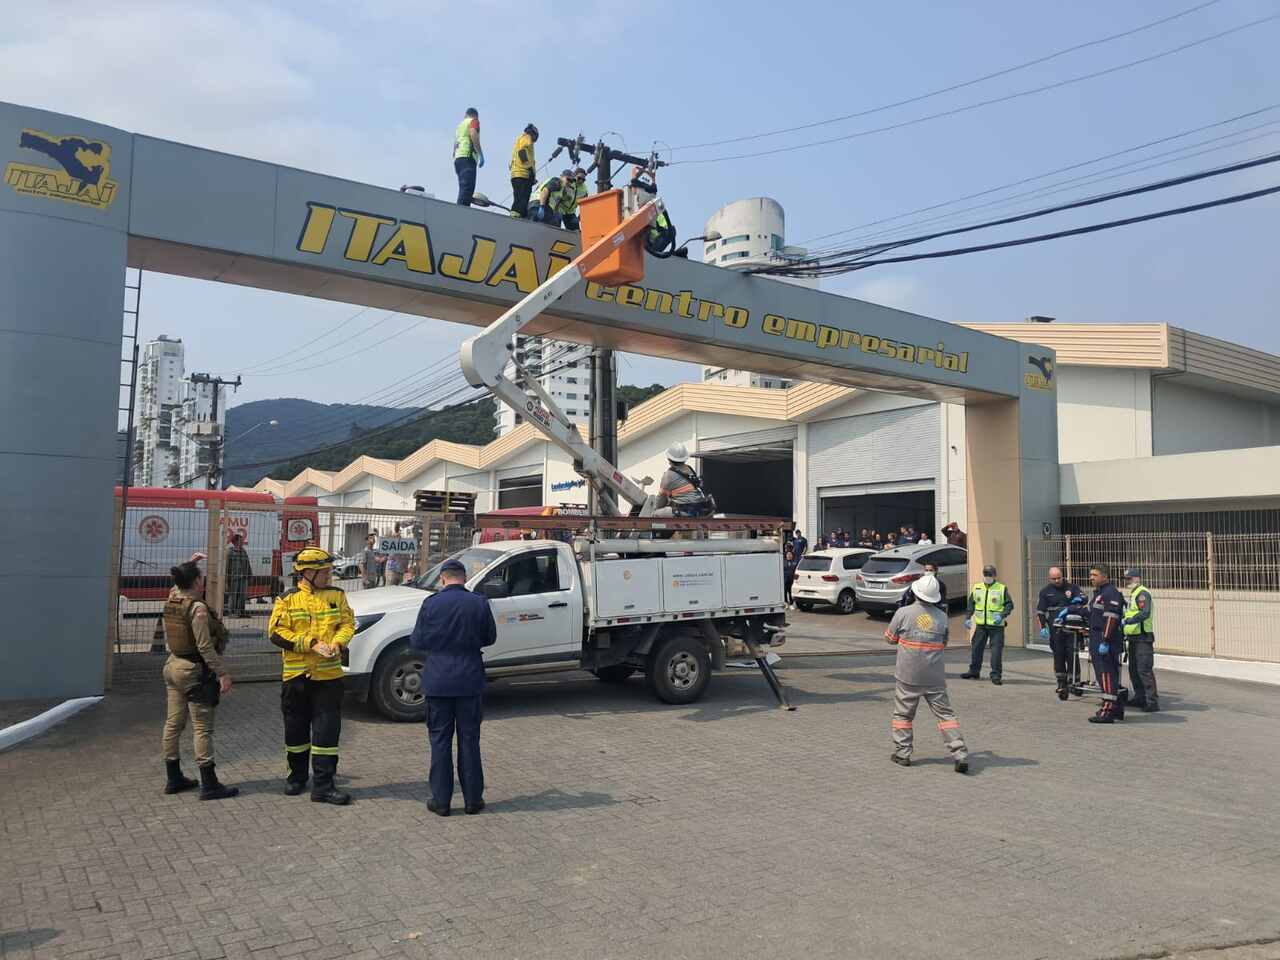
(493, 589)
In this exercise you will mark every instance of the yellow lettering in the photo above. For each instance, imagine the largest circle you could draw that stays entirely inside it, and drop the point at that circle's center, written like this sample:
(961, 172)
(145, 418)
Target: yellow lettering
(478, 263)
(410, 245)
(951, 362)
(964, 362)
(773, 324)
(940, 355)
(709, 308)
(597, 292)
(924, 355)
(827, 336)
(630, 296)
(559, 259)
(315, 229)
(684, 303)
(518, 267)
(888, 349)
(870, 344)
(849, 338)
(906, 353)
(658, 300)
(736, 317)
(801, 330)
(363, 232)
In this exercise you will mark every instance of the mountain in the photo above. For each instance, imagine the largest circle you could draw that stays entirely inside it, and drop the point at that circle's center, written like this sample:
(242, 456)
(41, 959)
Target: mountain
(313, 434)
(303, 425)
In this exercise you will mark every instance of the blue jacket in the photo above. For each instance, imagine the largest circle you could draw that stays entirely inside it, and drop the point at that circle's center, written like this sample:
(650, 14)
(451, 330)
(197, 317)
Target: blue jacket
(453, 625)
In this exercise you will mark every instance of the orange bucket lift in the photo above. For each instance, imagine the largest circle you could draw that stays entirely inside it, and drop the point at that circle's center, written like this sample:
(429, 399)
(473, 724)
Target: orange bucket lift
(622, 260)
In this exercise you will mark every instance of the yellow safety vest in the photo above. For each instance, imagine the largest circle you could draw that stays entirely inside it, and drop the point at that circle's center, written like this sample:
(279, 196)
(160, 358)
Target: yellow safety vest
(1146, 626)
(519, 169)
(462, 146)
(305, 617)
(554, 197)
(988, 601)
(570, 196)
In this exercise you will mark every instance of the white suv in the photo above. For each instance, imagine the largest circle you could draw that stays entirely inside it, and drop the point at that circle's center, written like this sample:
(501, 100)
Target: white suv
(826, 576)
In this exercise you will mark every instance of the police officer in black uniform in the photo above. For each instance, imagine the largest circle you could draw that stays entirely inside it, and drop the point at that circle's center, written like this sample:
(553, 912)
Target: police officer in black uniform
(1105, 643)
(1055, 596)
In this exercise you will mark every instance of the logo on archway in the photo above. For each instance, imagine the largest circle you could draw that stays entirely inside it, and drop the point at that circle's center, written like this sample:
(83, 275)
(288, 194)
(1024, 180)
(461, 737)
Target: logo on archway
(82, 174)
(1042, 379)
(153, 528)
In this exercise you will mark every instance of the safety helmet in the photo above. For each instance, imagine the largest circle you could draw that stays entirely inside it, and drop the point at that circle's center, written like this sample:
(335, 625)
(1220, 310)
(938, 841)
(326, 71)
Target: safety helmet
(926, 588)
(580, 173)
(312, 558)
(1132, 573)
(531, 130)
(566, 173)
(677, 453)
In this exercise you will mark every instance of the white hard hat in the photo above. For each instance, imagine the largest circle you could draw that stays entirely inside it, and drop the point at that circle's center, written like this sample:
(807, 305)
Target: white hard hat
(677, 453)
(927, 589)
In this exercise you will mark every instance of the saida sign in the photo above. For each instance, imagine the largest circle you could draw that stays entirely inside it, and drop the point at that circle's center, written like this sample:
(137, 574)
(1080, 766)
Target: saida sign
(82, 174)
(385, 241)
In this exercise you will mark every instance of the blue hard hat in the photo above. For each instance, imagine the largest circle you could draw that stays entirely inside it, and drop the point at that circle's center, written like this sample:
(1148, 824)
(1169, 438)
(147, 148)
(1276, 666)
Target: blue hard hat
(453, 566)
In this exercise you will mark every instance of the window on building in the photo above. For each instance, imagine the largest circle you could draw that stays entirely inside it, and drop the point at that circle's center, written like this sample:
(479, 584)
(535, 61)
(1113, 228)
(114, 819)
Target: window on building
(709, 247)
(736, 238)
(570, 379)
(570, 396)
(735, 256)
(767, 384)
(775, 242)
(520, 491)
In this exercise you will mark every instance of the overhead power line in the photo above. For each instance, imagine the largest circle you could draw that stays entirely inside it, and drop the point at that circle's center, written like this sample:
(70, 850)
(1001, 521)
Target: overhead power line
(955, 86)
(891, 236)
(1058, 234)
(1050, 173)
(857, 253)
(965, 108)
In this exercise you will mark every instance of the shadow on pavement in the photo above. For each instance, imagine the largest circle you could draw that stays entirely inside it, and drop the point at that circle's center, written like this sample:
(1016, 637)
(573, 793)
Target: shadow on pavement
(979, 760)
(16, 940)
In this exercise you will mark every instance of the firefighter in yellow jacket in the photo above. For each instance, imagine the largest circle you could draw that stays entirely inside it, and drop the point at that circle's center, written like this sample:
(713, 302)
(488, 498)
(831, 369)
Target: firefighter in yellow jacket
(311, 624)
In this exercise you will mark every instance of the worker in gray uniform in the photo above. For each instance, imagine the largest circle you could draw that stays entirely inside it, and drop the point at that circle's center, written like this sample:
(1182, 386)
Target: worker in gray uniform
(920, 633)
(1140, 634)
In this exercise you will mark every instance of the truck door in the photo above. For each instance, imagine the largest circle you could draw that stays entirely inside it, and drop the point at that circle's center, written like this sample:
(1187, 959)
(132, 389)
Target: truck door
(533, 604)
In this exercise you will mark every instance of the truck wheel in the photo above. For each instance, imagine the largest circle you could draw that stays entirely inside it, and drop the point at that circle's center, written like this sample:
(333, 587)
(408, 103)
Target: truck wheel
(847, 602)
(680, 669)
(397, 685)
(618, 673)
(804, 606)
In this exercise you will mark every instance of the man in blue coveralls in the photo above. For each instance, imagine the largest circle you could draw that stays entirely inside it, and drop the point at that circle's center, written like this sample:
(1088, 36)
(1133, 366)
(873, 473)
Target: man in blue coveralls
(1105, 643)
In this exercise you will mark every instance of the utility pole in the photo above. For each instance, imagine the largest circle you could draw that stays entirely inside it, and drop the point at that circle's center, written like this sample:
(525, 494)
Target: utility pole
(603, 423)
(216, 445)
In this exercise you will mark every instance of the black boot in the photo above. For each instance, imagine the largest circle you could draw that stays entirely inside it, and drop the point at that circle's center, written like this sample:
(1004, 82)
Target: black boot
(323, 770)
(176, 781)
(211, 789)
(297, 782)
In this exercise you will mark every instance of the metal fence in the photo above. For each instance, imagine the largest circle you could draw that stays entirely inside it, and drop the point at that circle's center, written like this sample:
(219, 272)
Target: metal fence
(242, 586)
(1215, 594)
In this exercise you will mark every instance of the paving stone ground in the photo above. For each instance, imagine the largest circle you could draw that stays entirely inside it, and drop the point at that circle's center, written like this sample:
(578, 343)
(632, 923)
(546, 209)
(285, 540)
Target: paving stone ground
(619, 827)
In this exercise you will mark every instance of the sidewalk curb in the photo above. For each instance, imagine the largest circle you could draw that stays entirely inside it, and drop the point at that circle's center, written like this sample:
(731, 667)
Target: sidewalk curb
(17, 733)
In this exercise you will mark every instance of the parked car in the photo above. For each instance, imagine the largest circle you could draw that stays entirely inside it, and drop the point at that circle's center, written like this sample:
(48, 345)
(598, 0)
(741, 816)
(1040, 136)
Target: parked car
(826, 576)
(344, 568)
(880, 583)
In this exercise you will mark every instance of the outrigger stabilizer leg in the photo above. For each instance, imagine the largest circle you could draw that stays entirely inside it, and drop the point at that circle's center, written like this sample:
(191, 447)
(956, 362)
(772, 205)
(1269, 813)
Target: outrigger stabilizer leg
(761, 659)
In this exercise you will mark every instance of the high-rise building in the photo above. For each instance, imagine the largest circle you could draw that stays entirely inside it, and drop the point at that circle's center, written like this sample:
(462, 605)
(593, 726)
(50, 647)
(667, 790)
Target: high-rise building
(752, 234)
(160, 372)
(562, 369)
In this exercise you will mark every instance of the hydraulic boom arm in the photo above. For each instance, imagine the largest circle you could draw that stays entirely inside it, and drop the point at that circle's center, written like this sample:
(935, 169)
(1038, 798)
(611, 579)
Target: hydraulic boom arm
(484, 360)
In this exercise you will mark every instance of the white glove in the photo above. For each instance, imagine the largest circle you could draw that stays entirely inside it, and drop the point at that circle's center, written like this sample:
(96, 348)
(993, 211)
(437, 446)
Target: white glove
(968, 624)
(997, 619)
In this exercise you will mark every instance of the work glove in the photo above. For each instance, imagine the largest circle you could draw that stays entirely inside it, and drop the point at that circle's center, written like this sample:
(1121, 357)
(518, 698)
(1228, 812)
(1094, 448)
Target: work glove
(1104, 647)
(480, 160)
(968, 624)
(997, 619)
(1044, 633)
(538, 215)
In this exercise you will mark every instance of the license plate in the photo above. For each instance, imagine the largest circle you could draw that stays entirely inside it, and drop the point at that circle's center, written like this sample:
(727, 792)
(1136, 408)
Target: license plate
(876, 583)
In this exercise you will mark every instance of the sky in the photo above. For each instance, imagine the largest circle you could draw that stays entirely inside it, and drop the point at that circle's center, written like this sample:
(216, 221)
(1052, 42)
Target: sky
(373, 93)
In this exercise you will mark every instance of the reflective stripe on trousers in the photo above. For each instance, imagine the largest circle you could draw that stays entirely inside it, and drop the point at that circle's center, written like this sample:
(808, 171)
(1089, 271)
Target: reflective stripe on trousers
(906, 699)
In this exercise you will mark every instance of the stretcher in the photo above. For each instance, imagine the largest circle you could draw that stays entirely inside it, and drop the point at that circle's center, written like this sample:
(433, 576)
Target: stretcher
(1082, 681)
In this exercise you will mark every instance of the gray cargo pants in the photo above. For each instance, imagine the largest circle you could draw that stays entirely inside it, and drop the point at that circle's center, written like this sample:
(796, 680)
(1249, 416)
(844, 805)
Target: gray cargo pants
(1142, 672)
(906, 698)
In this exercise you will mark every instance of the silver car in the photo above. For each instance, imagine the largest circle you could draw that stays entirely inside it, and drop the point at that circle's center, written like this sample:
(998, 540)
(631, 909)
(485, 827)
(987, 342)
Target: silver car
(883, 579)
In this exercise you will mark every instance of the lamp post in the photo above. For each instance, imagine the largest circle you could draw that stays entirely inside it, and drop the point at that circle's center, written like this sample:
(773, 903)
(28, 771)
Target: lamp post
(710, 237)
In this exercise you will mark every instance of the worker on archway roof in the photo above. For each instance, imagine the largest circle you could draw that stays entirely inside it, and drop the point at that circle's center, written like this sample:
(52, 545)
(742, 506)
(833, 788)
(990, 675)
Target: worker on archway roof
(680, 491)
(570, 196)
(523, 167)
(549, 199)
(467, 155)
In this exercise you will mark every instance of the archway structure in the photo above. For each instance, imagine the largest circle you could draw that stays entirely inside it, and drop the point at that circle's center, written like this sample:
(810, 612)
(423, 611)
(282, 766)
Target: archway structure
(81, 201)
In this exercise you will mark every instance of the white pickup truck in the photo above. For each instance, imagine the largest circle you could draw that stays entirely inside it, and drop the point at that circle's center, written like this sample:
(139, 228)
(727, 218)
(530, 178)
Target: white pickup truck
(670, 609)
